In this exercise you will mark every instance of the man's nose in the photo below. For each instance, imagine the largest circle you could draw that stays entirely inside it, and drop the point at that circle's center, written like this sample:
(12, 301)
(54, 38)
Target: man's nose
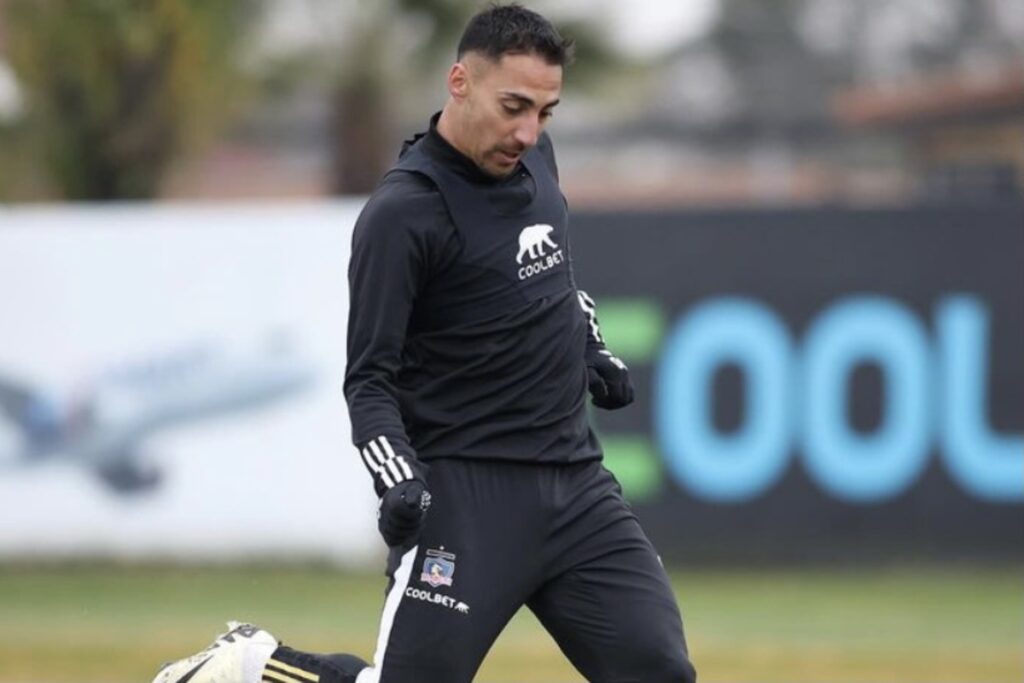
(527, 133)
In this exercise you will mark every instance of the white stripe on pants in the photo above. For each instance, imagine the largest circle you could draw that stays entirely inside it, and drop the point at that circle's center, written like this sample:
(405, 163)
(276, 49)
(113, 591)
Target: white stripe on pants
(387, 620)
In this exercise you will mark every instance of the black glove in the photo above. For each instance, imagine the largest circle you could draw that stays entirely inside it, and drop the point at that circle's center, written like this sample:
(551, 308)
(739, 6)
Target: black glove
(608, 379)
(402, 510)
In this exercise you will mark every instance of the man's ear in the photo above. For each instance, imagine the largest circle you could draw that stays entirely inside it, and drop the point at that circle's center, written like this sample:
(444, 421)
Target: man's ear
(458, 80)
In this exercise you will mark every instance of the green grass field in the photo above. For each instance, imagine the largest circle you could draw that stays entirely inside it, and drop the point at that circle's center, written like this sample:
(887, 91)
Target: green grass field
(111, 624)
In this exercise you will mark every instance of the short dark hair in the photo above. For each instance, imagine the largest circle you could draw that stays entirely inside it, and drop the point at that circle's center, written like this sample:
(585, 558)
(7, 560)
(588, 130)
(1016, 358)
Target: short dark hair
(512, 29)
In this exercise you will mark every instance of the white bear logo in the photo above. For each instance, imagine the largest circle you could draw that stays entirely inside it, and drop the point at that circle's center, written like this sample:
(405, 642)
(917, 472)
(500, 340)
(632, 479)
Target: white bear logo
(532, 240)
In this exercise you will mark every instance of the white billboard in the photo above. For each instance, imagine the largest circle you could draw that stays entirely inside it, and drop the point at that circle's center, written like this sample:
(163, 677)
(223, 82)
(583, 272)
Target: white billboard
(171, 384)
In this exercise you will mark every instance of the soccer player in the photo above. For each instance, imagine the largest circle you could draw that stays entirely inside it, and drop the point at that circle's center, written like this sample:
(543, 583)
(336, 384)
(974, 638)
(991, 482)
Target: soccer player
(470, 357)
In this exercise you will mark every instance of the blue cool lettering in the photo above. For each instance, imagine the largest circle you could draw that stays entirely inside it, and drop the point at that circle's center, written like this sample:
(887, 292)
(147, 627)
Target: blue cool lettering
(935, 390)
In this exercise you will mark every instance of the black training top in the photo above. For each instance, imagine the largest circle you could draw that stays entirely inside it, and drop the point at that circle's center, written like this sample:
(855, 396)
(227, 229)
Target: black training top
(466, 334)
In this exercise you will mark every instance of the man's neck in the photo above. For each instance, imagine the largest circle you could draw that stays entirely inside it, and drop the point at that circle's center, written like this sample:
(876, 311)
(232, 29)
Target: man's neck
(447, 129)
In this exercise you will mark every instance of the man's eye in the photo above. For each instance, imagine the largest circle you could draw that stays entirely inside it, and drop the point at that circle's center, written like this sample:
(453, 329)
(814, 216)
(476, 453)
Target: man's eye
(511, 109)
(547, 114)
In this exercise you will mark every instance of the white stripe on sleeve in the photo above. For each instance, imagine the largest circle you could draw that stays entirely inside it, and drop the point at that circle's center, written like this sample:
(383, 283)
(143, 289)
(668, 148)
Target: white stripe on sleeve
(377, 469)
(399, 459)
(386, 445)
(377, 452)
(395, 472)
(405, 467)
(402, 474)
(590, 309)
(382, 459)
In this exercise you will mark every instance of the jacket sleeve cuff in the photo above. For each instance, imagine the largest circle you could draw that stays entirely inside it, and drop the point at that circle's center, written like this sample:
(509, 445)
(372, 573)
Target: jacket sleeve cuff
(595, 340)
(389, 462)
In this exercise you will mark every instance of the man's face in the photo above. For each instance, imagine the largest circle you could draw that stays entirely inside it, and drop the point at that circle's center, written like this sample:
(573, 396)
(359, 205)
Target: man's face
(505, 106)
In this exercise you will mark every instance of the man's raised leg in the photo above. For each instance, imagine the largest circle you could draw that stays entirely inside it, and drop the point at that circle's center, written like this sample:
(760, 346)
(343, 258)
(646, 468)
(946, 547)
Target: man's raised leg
(249, 654)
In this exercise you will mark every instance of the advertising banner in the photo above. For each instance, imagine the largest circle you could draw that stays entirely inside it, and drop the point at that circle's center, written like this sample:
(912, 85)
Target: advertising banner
(828, 385)
(818, 384)
(171, 384)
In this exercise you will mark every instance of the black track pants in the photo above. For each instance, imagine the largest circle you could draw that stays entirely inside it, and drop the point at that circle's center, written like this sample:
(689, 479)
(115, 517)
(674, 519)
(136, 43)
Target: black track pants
(557, 538)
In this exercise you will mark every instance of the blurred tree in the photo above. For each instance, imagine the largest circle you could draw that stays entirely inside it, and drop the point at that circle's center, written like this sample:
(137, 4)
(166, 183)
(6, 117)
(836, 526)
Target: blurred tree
(378, 65)
(388, 51)
(116, 89)
(779, 85)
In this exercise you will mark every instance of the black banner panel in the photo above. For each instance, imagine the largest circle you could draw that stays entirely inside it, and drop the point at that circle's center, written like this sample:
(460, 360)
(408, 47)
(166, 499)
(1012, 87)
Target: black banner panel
(817, 384)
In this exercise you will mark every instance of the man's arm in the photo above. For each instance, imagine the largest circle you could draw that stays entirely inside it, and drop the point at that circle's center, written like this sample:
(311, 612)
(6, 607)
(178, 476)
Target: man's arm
(390, 259)
(608, 377)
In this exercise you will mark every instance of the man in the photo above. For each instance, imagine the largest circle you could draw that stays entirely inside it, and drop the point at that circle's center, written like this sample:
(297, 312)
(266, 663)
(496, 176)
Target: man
(471, 354)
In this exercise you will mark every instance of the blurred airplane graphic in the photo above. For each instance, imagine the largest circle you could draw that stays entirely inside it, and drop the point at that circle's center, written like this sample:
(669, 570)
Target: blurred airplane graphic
(102, 427)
